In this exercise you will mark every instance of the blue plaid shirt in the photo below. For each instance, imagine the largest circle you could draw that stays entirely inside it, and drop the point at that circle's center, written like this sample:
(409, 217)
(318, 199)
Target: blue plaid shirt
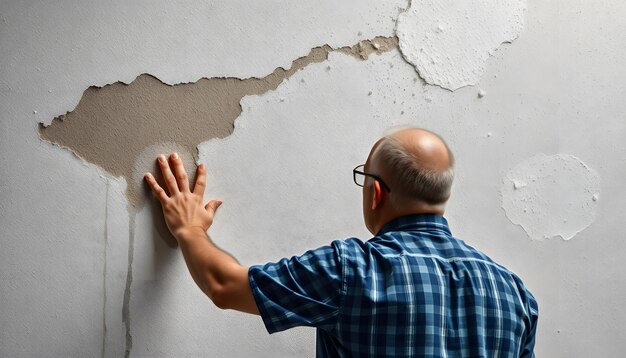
(411, 291)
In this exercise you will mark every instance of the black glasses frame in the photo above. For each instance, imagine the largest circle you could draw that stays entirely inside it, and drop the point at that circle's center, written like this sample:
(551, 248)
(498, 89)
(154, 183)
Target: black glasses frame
(356, 171)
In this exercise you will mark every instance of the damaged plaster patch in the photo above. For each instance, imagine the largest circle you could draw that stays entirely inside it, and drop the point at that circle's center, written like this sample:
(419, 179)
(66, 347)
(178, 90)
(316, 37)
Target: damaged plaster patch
(146, 159)
(112, 125)
(449, 41)
(551, 196)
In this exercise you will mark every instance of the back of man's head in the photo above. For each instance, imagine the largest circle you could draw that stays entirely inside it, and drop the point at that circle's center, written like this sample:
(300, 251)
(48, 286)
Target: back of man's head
(419, 165)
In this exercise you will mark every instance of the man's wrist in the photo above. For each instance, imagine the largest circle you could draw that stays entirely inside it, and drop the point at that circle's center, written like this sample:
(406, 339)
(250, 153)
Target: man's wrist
(189, 233)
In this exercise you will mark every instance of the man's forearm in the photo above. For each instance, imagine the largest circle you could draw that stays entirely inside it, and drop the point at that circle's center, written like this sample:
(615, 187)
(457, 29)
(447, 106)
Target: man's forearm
(215, 271)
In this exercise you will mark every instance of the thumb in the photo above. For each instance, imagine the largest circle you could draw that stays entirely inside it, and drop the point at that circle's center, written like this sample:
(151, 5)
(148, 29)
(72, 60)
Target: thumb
(212, 206)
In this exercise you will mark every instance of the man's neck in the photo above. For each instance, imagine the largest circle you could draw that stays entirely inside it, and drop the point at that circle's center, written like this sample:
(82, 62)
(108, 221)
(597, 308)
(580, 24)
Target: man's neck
(391, 215)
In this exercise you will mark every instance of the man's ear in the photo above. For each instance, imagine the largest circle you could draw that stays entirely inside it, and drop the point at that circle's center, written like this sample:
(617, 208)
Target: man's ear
(377, 195)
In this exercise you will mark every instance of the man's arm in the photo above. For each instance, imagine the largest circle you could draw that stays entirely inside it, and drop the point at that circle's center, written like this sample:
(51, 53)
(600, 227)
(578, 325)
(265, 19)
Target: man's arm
(217, 273)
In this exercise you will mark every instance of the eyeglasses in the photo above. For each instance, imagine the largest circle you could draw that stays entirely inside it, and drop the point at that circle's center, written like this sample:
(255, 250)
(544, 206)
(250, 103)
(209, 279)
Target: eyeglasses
(359, 177)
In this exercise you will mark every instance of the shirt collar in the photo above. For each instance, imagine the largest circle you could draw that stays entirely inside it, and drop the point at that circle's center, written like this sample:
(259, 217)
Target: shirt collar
(417, 222)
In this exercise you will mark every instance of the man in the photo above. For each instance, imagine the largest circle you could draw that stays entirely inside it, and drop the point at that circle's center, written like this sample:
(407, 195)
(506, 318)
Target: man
(412, 290)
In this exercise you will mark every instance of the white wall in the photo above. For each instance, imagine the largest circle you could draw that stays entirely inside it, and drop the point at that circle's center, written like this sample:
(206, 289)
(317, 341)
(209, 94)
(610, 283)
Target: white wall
(284, 174)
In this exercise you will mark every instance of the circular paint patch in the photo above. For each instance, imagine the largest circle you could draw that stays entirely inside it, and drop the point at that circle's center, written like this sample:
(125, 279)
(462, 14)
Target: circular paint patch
(551, 196)
(449, 42)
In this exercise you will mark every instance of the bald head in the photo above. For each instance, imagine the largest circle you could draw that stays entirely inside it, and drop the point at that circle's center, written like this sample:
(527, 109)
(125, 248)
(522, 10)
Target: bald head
(418, 165)
(427, 148)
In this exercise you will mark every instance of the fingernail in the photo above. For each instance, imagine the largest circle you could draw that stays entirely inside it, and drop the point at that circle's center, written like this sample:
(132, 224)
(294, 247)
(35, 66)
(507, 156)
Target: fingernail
(175, 155)
(161, 158)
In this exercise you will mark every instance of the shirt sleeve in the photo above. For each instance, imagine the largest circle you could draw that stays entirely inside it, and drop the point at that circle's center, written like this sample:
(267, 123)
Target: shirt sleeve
(528, 350)
(300, 291)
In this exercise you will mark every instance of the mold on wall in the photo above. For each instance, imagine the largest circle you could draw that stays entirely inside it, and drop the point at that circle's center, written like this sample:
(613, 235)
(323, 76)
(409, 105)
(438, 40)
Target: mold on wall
(449, 41)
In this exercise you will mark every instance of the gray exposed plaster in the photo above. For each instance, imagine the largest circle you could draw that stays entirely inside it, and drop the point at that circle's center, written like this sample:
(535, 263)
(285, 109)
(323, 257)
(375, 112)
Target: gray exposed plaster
(112, 125)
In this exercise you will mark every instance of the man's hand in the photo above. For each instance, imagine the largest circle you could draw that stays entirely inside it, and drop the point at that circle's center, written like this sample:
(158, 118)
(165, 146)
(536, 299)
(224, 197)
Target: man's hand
(217, 273)
(183, 209)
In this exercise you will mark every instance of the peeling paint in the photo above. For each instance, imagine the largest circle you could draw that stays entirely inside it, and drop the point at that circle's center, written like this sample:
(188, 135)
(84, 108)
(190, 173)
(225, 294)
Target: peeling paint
(449, 41)
(112, 125)
(284, 173)
(123, 127)
(551, 196)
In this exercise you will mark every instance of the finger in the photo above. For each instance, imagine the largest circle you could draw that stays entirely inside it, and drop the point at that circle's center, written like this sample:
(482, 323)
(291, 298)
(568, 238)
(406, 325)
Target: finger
(156, 188)
(212, 206)
(179, 172)
(198, 188)
(168, 176)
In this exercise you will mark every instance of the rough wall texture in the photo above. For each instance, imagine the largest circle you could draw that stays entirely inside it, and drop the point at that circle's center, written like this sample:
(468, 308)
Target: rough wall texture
(87, 269)
(449, 42)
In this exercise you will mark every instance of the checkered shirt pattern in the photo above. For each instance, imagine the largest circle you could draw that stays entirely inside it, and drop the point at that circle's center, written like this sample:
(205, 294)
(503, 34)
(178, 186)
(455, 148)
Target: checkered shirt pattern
(411, 291)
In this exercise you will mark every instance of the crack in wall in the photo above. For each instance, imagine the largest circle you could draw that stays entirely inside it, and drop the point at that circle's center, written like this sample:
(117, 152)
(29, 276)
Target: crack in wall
(104, 270)
(111, 125)
(129, 282)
